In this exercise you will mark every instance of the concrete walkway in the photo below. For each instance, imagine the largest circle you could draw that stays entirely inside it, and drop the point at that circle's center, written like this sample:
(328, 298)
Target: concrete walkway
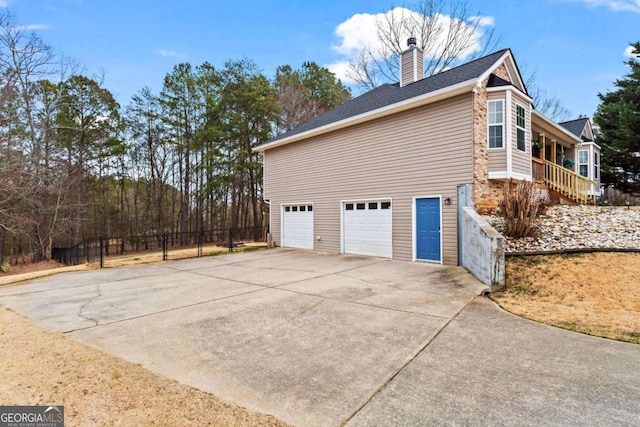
(323, 340)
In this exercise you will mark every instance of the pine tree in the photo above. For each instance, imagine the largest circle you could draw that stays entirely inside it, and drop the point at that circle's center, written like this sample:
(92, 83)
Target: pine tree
(618, 120)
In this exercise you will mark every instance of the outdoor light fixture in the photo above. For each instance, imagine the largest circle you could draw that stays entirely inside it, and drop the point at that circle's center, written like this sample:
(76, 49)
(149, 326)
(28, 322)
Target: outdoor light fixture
(447, 201)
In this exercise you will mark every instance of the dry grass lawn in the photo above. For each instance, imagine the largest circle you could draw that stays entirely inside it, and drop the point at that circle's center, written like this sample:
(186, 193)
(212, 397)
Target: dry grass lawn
(596, 294)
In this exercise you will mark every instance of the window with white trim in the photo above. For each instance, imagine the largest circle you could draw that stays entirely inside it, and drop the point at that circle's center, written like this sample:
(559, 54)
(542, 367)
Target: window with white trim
(596, 165)
(583, 163)
(521, 128)
(495, 117)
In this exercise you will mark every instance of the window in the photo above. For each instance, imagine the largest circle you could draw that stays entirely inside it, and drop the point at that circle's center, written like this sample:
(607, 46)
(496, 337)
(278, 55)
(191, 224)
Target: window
(294, 209)
(596, 165)
(287, 208)
(303, 208)
(373, 205)
(349, 206)
(360, 206)
(385, 205)
(583, 163)
(521, 127)
(496, 120)
(310, 208)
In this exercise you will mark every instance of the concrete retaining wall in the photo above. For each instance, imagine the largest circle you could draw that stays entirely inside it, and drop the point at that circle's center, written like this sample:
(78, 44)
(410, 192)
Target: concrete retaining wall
(482, 249)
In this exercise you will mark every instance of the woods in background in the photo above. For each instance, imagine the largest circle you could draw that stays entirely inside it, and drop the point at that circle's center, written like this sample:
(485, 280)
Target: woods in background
(74, 164)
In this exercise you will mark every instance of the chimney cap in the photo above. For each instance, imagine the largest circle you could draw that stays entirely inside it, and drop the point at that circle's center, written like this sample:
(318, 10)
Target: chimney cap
(411, 42)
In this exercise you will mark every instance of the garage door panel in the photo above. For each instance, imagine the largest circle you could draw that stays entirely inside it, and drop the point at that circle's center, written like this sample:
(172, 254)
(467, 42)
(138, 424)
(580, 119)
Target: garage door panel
(368, 228)
(297, 226)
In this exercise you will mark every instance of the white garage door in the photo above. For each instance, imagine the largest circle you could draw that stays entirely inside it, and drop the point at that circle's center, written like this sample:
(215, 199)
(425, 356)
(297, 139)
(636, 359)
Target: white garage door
(297, 226)
(367, 228)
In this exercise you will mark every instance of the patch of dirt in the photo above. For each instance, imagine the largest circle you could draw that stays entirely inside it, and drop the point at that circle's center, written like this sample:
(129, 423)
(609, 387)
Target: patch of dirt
(30, 267)
(41, 367)
(596, 294)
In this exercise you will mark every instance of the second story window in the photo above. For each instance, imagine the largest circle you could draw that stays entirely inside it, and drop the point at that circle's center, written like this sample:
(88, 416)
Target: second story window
(596, 165)
(521, 127)
(583, 163)
(496, 123)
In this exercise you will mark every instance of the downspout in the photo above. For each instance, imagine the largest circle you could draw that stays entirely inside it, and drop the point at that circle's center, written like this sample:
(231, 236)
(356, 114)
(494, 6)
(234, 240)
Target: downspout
(269, 239)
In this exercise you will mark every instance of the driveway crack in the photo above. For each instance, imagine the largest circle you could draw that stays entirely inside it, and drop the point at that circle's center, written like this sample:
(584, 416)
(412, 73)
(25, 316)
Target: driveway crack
(404, 365)
(89, 301)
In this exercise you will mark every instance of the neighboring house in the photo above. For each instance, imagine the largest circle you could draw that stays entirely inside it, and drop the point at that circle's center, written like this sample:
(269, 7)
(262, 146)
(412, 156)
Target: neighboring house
(380, 174)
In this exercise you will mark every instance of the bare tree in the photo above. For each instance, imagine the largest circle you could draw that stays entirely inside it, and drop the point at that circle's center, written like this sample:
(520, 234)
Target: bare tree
(446, 31)
(27, 135)
(544, 101)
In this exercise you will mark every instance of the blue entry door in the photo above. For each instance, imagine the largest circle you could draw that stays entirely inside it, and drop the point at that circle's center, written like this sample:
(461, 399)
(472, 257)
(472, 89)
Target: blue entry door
(428, 229)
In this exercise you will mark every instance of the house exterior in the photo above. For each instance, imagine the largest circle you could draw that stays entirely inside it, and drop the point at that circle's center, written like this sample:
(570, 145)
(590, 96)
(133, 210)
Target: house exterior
(380, 174)
(587, 157)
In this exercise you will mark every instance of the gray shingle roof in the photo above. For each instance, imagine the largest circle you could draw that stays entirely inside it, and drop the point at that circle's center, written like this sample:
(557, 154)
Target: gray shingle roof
(575, 126)
(389, 94)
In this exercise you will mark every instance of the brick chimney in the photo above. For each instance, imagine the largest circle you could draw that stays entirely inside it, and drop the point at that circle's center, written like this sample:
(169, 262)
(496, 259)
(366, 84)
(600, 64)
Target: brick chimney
(411, 63)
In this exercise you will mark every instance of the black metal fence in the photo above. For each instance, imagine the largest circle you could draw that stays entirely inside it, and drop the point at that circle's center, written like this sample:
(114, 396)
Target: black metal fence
(96, 249)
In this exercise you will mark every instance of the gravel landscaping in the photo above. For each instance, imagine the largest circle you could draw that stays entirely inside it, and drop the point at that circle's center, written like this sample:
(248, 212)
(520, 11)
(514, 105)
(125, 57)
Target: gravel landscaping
(578, 227)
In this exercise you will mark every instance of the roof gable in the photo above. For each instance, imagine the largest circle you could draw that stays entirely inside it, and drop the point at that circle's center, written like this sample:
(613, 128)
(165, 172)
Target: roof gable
(510, 64)
(580, 127)
(495, 81)
(388, 95)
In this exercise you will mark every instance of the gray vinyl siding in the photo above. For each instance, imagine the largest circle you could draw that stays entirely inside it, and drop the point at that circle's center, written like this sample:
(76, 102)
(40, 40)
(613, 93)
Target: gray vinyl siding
(521, 161)
(426, 151)
(498, 156)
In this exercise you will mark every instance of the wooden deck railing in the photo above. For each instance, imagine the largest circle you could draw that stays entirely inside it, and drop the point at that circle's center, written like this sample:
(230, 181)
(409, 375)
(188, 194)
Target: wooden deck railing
(569, 183)
(537, 168)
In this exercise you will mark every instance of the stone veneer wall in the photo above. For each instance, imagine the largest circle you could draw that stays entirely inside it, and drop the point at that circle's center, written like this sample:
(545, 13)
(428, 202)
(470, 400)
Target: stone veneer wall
(487, 194)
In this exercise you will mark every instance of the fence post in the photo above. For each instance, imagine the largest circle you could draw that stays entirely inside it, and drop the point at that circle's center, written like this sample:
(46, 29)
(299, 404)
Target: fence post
(230, 240)
(101, 256)
(200, 243)
(165, 249)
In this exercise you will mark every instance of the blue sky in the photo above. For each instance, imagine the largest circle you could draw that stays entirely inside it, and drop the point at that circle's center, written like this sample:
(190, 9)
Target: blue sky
(576, 47)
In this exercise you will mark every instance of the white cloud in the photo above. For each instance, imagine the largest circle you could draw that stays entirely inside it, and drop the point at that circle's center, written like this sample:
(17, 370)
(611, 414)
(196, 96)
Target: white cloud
(361, 31)
(32, 27)
(170, 53)
(356, 33)
(628, 52)
(341, 70)
(483, 21)
(615, 5)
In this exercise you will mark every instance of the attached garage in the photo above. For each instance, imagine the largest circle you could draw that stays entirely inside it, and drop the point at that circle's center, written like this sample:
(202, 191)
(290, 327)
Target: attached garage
(297, 226)
(367, 228)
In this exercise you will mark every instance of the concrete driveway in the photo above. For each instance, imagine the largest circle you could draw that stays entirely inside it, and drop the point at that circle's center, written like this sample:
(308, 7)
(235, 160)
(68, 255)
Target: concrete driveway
(324, 340)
